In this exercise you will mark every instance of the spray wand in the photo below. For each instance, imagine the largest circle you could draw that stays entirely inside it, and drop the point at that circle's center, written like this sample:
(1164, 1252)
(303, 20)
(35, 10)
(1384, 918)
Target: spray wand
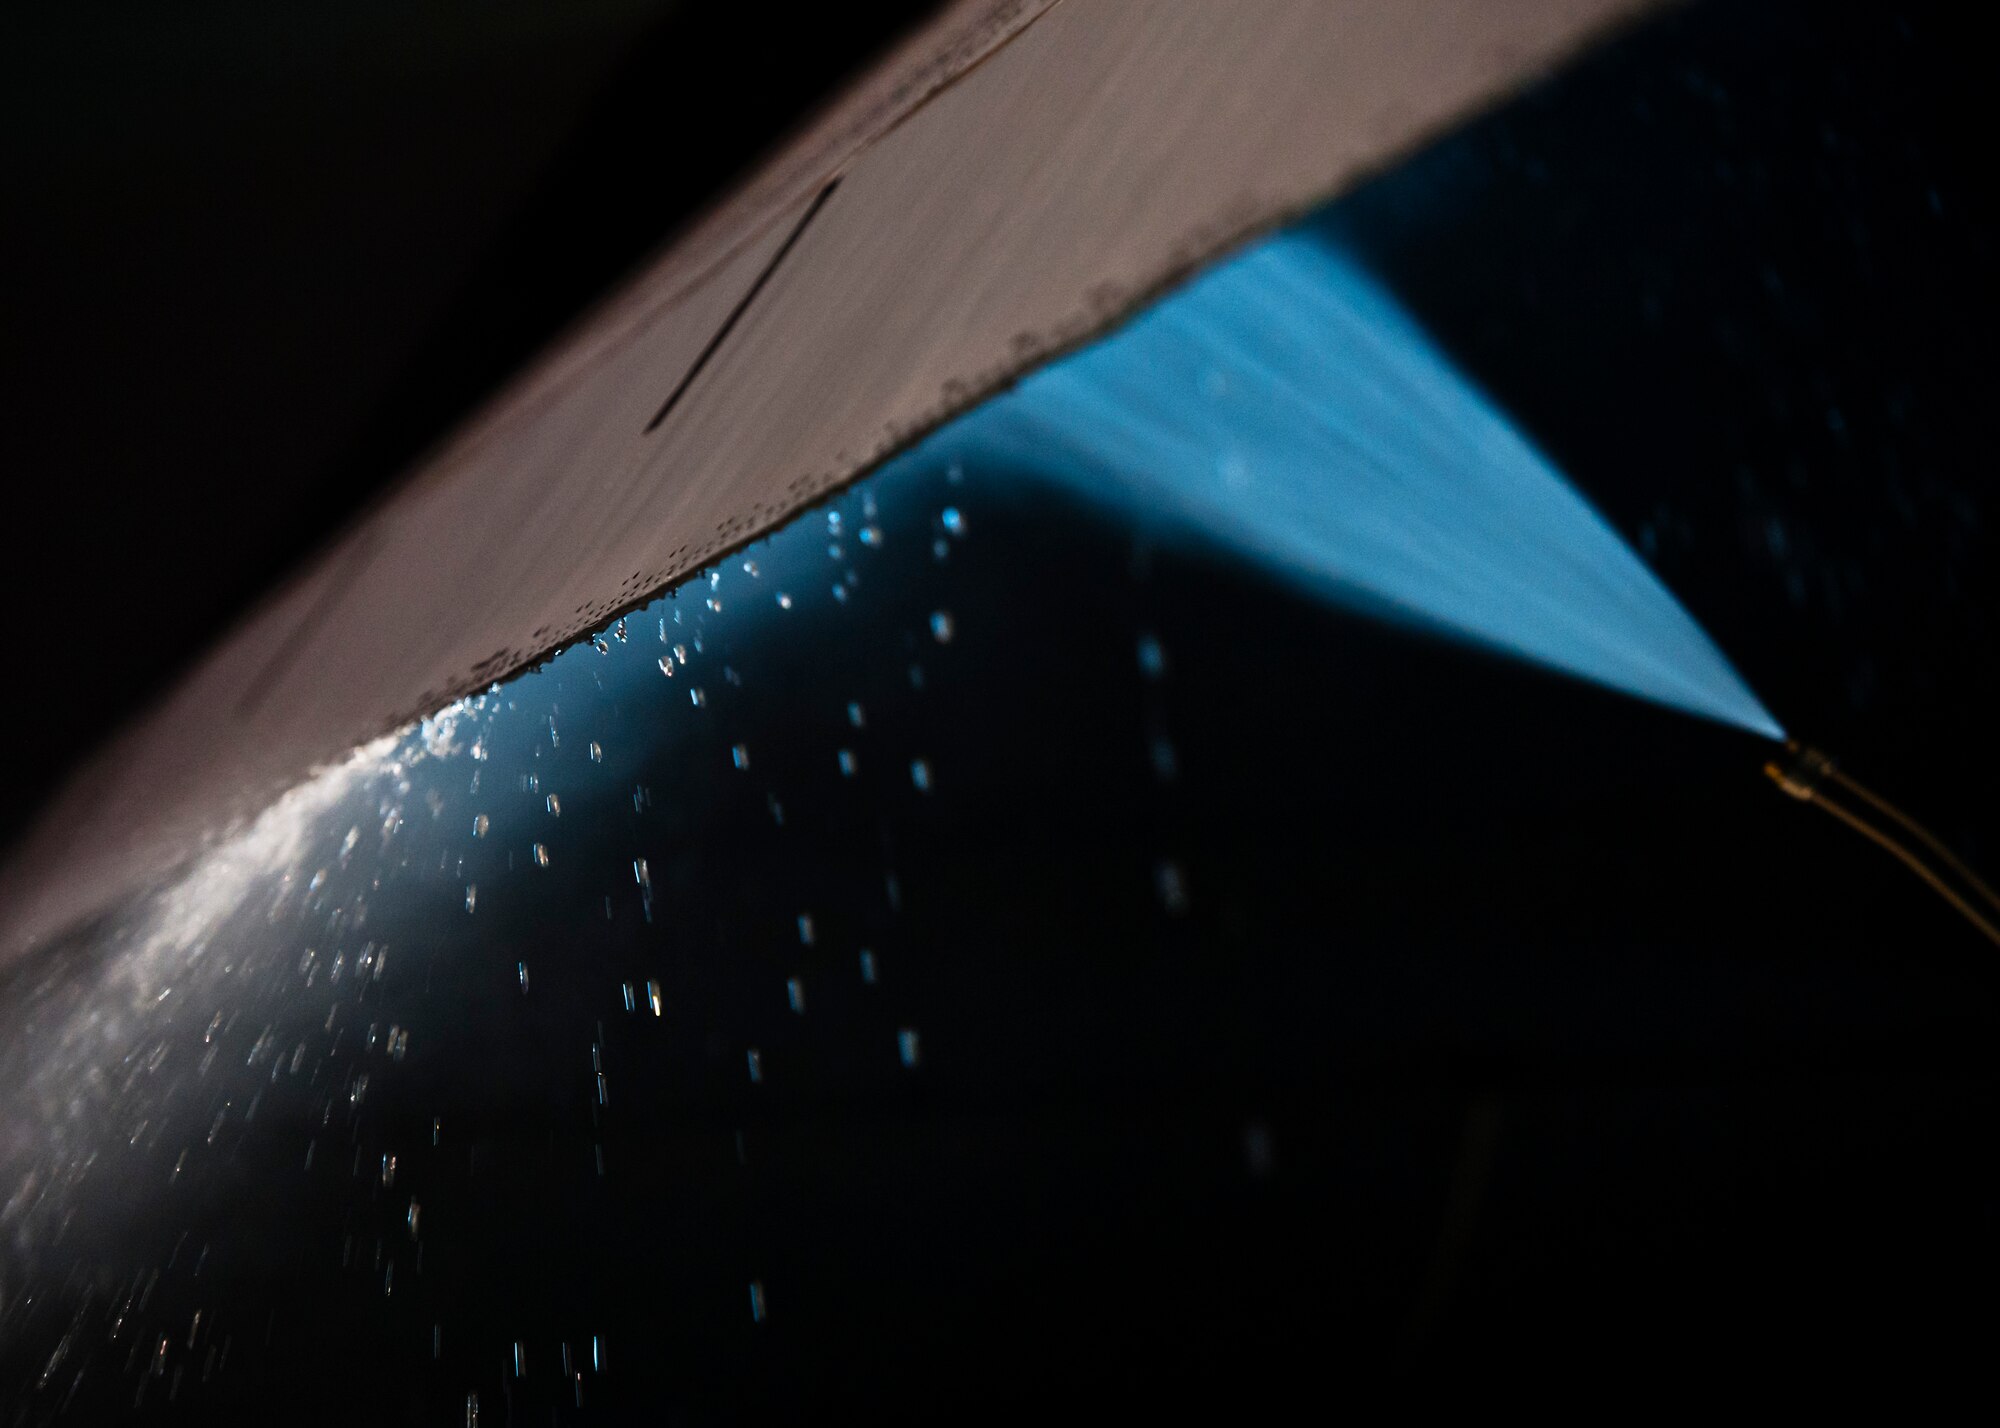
(1807, 775)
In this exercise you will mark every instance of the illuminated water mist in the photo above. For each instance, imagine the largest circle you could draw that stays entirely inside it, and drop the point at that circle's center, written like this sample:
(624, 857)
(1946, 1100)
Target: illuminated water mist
(1286, 404)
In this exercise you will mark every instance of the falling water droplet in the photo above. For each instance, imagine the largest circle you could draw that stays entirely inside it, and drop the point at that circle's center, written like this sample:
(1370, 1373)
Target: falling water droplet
(1152, 657)
(739, 755)
(847, 763)
(795, 995)
(784, 601)
(555, 806)
(596, 752)
(471, 896)
(479, 826)
(942, 627)
(541, 855)
(920, 774)
(522, 968)
(907, 1047)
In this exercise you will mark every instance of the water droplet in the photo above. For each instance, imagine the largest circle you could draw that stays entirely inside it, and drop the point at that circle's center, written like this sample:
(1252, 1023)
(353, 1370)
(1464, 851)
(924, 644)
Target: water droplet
(715, 604)
(754, 1059)
(641, 873)
(471, 896)
(602, 647)
(756, 1301)
(739, 754)
(596, 752)
(867, 966)
(1152, 657)
(631, 999)
(653, 997)
(750, 568)
(942, 627)
(1172, 884)
(952, 520)
(855, 716)
(784, 601)
(871, 535)
(840, 593)
(479, 826)
(540, 853)
(619, 630)
(920, 774)
(388, 1171)
(681, 651)
(1260, 1151)
(907, 1047)
(555, 806)
(667, 666)
(847, 763)
(698, 697)
(522, 967)
(806, 928)
(795, 995)
(1166, 763)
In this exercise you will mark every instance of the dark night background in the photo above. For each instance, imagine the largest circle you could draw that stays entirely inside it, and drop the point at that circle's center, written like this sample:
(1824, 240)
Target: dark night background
(1513, 1035)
